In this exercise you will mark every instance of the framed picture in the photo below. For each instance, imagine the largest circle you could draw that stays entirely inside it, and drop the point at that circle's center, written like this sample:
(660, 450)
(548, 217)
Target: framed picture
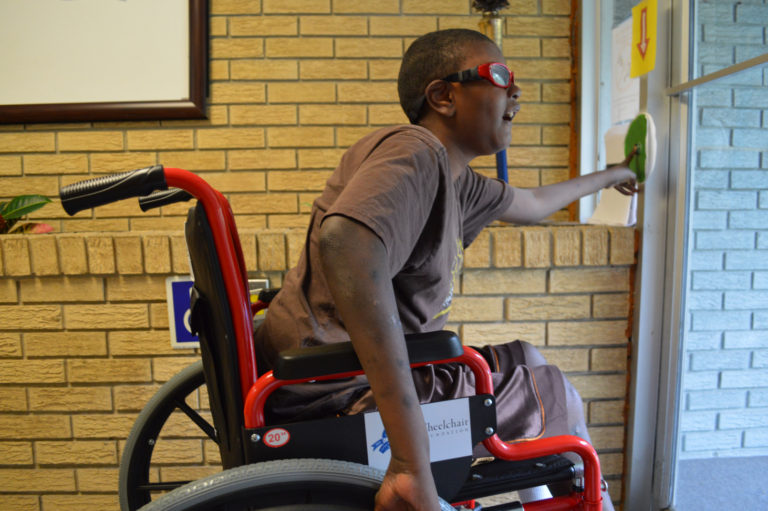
(102, 60)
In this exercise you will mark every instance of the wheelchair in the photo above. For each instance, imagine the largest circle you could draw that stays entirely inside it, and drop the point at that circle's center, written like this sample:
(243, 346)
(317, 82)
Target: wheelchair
(326, 463)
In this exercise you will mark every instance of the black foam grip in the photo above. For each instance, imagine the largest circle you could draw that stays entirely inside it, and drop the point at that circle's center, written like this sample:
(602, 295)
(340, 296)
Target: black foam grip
(164, 198)
(103, 190)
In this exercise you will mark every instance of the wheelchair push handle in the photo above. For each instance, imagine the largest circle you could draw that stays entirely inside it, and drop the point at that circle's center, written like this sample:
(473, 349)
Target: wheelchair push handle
(164, 198)
(104, 190)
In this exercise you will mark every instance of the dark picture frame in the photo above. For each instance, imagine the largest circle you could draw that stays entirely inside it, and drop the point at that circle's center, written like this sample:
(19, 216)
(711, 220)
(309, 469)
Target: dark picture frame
(192, 107)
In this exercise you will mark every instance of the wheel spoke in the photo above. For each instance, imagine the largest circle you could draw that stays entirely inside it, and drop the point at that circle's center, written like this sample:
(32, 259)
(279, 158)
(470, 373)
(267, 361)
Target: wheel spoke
(198, 419)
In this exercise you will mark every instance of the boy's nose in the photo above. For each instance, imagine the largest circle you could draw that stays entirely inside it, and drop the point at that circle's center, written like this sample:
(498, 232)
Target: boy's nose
(514, 91)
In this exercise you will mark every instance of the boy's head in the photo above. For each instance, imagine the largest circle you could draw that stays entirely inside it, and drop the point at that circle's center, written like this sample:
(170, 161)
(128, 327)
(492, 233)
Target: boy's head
(432, 56)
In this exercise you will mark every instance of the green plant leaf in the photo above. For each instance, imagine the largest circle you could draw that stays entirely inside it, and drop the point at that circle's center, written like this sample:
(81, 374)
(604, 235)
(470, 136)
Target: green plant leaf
(23, 205)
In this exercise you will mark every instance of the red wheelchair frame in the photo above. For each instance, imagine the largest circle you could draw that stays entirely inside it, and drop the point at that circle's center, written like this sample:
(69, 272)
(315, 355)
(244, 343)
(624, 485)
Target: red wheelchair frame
(255, 389)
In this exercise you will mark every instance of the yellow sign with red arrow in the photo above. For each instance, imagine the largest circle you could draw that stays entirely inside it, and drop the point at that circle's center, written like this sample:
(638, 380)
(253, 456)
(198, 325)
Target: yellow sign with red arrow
(643, 38)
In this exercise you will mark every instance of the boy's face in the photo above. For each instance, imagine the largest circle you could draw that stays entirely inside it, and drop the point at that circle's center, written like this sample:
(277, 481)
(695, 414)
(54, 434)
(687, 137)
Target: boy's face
(483, 117)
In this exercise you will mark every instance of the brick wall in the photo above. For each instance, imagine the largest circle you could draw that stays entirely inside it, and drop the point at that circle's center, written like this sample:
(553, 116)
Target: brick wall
(725, 382)
(294, 83)
(84, 342)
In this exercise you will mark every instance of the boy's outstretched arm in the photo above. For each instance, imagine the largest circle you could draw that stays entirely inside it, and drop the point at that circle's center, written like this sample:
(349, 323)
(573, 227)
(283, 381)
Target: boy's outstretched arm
(531, 205)
(355, 265)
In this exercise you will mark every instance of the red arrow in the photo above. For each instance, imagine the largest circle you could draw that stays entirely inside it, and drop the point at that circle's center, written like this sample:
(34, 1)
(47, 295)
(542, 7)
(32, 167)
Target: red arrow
(642, 46)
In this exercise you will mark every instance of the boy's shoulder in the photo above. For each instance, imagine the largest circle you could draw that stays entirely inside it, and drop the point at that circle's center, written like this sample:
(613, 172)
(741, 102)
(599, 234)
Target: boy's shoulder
(406, 134)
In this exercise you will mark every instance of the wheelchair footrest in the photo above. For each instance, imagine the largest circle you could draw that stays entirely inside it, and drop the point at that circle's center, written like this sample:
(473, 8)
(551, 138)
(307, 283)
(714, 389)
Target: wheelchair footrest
(500, 476)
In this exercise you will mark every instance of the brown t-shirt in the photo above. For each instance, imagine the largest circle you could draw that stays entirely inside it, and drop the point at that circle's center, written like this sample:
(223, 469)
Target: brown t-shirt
(397, 182)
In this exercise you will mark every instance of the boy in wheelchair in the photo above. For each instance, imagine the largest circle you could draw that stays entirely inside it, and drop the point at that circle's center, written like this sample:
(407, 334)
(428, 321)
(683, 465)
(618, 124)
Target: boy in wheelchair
(384, 247)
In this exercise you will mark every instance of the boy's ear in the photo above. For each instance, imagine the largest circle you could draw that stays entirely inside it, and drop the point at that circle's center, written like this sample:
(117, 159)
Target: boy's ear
(439, 96)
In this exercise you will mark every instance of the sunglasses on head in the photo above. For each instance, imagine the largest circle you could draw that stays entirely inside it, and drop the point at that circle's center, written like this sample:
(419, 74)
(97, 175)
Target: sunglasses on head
(495, 72)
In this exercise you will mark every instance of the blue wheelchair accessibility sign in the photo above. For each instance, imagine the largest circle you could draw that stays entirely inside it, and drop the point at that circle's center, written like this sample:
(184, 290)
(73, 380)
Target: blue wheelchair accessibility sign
(178, 291)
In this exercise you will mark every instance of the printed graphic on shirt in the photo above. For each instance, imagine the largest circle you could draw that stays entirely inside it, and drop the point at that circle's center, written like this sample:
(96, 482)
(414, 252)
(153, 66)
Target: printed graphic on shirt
(458, 262)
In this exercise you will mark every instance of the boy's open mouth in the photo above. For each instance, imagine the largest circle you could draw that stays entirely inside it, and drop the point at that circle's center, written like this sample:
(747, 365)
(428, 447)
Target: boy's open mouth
(509, 116)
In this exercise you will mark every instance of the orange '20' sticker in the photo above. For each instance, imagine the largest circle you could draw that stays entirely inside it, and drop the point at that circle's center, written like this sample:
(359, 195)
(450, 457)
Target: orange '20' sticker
(277, 437)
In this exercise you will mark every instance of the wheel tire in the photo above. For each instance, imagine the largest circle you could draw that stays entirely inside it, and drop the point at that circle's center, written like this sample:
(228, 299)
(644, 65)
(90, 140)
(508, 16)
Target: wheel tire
(133, 482)
(282, 485)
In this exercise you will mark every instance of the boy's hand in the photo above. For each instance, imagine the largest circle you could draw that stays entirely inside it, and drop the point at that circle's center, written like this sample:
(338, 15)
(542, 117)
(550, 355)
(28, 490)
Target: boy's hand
(627, 180)
(402, 490)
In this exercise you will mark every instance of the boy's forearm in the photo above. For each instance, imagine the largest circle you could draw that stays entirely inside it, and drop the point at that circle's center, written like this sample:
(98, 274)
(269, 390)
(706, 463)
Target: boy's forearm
(356, 269)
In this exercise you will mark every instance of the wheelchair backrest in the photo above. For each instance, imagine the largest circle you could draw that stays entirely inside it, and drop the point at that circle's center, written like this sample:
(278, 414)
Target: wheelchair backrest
(212, 320)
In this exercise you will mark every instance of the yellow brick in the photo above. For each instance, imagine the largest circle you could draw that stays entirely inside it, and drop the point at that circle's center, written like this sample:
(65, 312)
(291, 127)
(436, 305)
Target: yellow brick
(556, 7)
(548, 307)
(63, 399)
(181, 473)
(562, 333)
(13, 399)
(69, 502)
(609, 359)
(612, 463)
(504, 282)
(219, 70)
(478, 255)
(194, 160)
(480, 334)
(271, 251)
(10, 345)
(601, 386)
(560, 47)
(164, 368)
(536, 247)
(584, 280)
(507, 248)
(10, 165)
(238, 92)
(158, 315)
(179, 425)
(622, 246)
(476, 309)
(332, 114)
(368, 92)
(435, 7)
(230, 138)
(320, 158)
(538, 26)
(37, 480)
(334, 25)
(346, 136)
(262, 159)
(235, 7)
(610, 305)
(595, 246)
(288, 221)
(606, 412)
(101, 254)
(253, 69)
(106, 316)
(157, 254)
(102, 426)
(31, 371)
(567, 360)
(138, 288)
(369, 47)
(168, 223)
(301, 92)
(128, 254)
(296, 6)
(236, 181)
(133, 397)
(98, 479)
(299, 137)
(262, 115)
(30, 317)
(402, 25)
(16, 254)
(55, 164)
(386, 115)
(305, 201)
(169, 451)
(263, 25)
(44, 256)
(22, 502)
(299, 47)
(90, 140)
(179, 255)
(65, 344)
(355, 6)
(108, 370)
(517, 47)
(297, 180)
(332, 69)
(238, 48)
(16, 453)
(121, 162)
(555, 135)
(160, 139)
(248, 245)
(295, 241)
(567, 246)
(539, 156)
(27, 142)
(149, 342)
(67, 289)
(607, 437)
(8, 292)
(218, 26)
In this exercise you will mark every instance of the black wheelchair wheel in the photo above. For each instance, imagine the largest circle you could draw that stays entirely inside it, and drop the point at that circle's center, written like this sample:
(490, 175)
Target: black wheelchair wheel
(282, 485)
(135, 485)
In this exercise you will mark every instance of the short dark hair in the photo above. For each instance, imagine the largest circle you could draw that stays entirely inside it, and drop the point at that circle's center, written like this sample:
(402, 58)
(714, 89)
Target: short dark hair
(431, 57)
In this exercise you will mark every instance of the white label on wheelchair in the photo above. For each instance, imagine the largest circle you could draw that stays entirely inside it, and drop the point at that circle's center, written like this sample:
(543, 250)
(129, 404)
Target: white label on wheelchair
(448, 426)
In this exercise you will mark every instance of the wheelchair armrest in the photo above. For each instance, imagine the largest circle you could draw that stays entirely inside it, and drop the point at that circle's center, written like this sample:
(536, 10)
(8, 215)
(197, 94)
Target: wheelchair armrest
(336, 358)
